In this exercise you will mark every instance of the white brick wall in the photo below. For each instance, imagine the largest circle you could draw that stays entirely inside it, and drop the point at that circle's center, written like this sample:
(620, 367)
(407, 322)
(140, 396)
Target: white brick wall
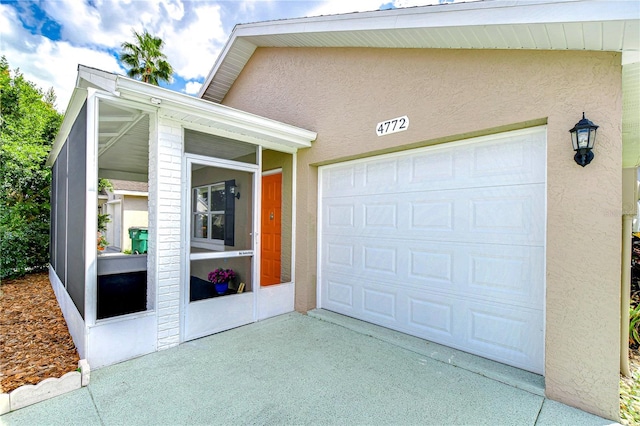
(165, 192)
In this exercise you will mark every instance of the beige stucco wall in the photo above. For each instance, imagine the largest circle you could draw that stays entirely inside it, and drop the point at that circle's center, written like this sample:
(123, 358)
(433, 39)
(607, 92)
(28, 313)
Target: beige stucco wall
(448, 94)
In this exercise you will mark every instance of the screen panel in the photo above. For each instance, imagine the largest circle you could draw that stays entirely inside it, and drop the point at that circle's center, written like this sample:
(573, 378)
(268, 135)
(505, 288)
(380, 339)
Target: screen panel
(76, 214)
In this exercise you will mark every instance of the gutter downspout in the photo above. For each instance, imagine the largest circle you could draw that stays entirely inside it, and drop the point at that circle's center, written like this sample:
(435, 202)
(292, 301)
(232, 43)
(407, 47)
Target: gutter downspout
(625, 297)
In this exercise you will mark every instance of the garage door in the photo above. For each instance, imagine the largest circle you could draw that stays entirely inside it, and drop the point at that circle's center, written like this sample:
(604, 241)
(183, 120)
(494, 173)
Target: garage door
(445, 243)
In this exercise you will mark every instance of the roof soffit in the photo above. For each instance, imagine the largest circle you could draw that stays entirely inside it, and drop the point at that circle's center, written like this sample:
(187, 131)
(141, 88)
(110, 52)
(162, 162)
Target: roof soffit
(218, 119)
(544, 25)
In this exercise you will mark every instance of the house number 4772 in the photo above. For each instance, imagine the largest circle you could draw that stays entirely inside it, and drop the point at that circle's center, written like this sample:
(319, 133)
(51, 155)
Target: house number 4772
(394, 125)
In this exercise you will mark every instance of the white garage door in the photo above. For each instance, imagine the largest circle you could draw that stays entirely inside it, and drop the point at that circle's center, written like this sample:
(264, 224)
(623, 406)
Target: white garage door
(445, 243)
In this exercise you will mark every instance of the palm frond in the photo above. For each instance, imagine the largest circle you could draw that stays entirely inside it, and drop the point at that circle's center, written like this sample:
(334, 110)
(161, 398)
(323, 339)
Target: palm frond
(145, 59)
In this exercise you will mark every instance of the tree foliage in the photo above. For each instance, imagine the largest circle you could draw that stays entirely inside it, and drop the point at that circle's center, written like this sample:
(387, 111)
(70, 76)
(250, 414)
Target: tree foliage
(28, 125)
(146, 59)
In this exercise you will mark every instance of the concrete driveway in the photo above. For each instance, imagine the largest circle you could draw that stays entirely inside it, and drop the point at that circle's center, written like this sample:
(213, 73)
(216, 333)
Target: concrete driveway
(297, 369)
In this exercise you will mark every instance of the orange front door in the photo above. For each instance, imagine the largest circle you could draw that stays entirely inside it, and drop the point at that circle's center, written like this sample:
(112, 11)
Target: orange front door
(271, 241)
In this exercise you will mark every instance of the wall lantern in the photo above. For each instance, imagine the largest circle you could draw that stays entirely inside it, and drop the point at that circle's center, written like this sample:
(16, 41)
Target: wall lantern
(234, 191)
(583, 137)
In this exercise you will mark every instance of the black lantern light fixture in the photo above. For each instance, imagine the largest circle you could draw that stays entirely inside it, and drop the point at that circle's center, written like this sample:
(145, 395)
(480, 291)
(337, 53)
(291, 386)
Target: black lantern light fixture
(583, 137)
(235, 191)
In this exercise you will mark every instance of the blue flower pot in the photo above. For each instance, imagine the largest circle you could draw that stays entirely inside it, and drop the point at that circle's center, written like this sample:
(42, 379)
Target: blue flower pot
(221, 288)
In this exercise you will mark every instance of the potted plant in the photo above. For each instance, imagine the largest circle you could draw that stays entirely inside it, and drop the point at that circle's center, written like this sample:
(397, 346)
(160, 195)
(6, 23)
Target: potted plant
(101, 242)
(221, 278)
(103, 219)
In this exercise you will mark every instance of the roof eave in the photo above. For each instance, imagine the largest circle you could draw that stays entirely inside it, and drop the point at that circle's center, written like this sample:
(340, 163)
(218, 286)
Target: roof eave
(291, 137)
(246, 38)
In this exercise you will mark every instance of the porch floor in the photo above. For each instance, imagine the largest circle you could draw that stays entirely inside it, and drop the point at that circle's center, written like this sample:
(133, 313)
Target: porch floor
(320, 368)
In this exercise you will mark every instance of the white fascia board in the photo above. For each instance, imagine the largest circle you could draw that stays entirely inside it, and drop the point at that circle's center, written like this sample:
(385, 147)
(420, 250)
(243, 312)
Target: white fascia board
(242, 137)
(132, 193)
(95, 78)
(219, 60)
(630, 57)
(78, 97)
(251, 123)
(479, 13)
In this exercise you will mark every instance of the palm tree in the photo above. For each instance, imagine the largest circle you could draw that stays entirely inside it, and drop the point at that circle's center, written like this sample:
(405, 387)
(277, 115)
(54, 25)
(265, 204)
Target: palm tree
(146, 59)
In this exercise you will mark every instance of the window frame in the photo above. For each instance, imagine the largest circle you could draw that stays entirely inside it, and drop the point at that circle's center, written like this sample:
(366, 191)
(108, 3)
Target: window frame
(228, 216)
(206, 242)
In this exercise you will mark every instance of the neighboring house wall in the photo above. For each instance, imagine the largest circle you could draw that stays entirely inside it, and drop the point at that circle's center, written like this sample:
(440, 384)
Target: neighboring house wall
(125, 211)
(134, 214)
(450, 95)
(114, 227)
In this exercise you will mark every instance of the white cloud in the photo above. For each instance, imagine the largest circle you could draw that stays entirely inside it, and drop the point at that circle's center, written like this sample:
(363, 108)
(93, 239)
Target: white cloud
(45, 62)
(192, 31)
(91, 32)
(248, 7)
(192, 47)
(82, 24)
(412, 3)
(192, 87)
(332, 7)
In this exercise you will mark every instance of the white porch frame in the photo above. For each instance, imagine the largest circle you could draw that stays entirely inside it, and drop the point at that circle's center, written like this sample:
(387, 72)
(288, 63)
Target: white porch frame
(111, 340)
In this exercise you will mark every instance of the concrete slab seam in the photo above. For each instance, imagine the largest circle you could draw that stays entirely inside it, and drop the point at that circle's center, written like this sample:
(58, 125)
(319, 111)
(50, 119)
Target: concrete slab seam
(539, 411)
(95, 406)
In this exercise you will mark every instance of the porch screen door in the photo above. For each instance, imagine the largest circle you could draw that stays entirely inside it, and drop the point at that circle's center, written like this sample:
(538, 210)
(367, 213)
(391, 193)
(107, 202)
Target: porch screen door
(219, 232)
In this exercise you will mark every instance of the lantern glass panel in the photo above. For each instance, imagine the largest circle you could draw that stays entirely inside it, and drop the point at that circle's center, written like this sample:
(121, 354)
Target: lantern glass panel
(583, 138)
(592, 137)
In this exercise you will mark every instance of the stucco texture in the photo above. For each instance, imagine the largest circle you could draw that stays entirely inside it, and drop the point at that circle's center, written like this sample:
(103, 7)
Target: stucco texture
(342, 93)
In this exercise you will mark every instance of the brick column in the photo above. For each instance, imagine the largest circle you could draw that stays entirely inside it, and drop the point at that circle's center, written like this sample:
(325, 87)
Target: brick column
(165, 193)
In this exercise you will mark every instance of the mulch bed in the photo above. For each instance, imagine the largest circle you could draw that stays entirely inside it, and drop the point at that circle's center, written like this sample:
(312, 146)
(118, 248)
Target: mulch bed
(35, 343)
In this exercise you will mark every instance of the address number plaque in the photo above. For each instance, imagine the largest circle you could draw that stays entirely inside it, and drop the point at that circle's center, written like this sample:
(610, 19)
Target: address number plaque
(394, 125)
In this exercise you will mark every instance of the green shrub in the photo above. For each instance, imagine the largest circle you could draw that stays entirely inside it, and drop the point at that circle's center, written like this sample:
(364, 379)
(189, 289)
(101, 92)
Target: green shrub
(634, 325)
(103, 219)
(28, 125)
(24, 242)
(104, 184)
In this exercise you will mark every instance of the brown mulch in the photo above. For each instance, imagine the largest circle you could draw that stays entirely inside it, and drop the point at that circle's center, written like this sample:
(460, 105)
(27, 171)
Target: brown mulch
(35, 343)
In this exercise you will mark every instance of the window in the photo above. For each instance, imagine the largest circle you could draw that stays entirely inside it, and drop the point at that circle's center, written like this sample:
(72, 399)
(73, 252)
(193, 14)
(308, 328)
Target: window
(213, 214)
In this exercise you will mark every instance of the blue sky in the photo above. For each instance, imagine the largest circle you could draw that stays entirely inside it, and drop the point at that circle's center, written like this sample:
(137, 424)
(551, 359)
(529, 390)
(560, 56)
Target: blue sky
(47, 39)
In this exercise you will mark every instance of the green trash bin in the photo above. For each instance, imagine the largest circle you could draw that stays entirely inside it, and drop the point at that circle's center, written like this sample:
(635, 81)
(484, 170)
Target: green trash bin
(139, 238)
